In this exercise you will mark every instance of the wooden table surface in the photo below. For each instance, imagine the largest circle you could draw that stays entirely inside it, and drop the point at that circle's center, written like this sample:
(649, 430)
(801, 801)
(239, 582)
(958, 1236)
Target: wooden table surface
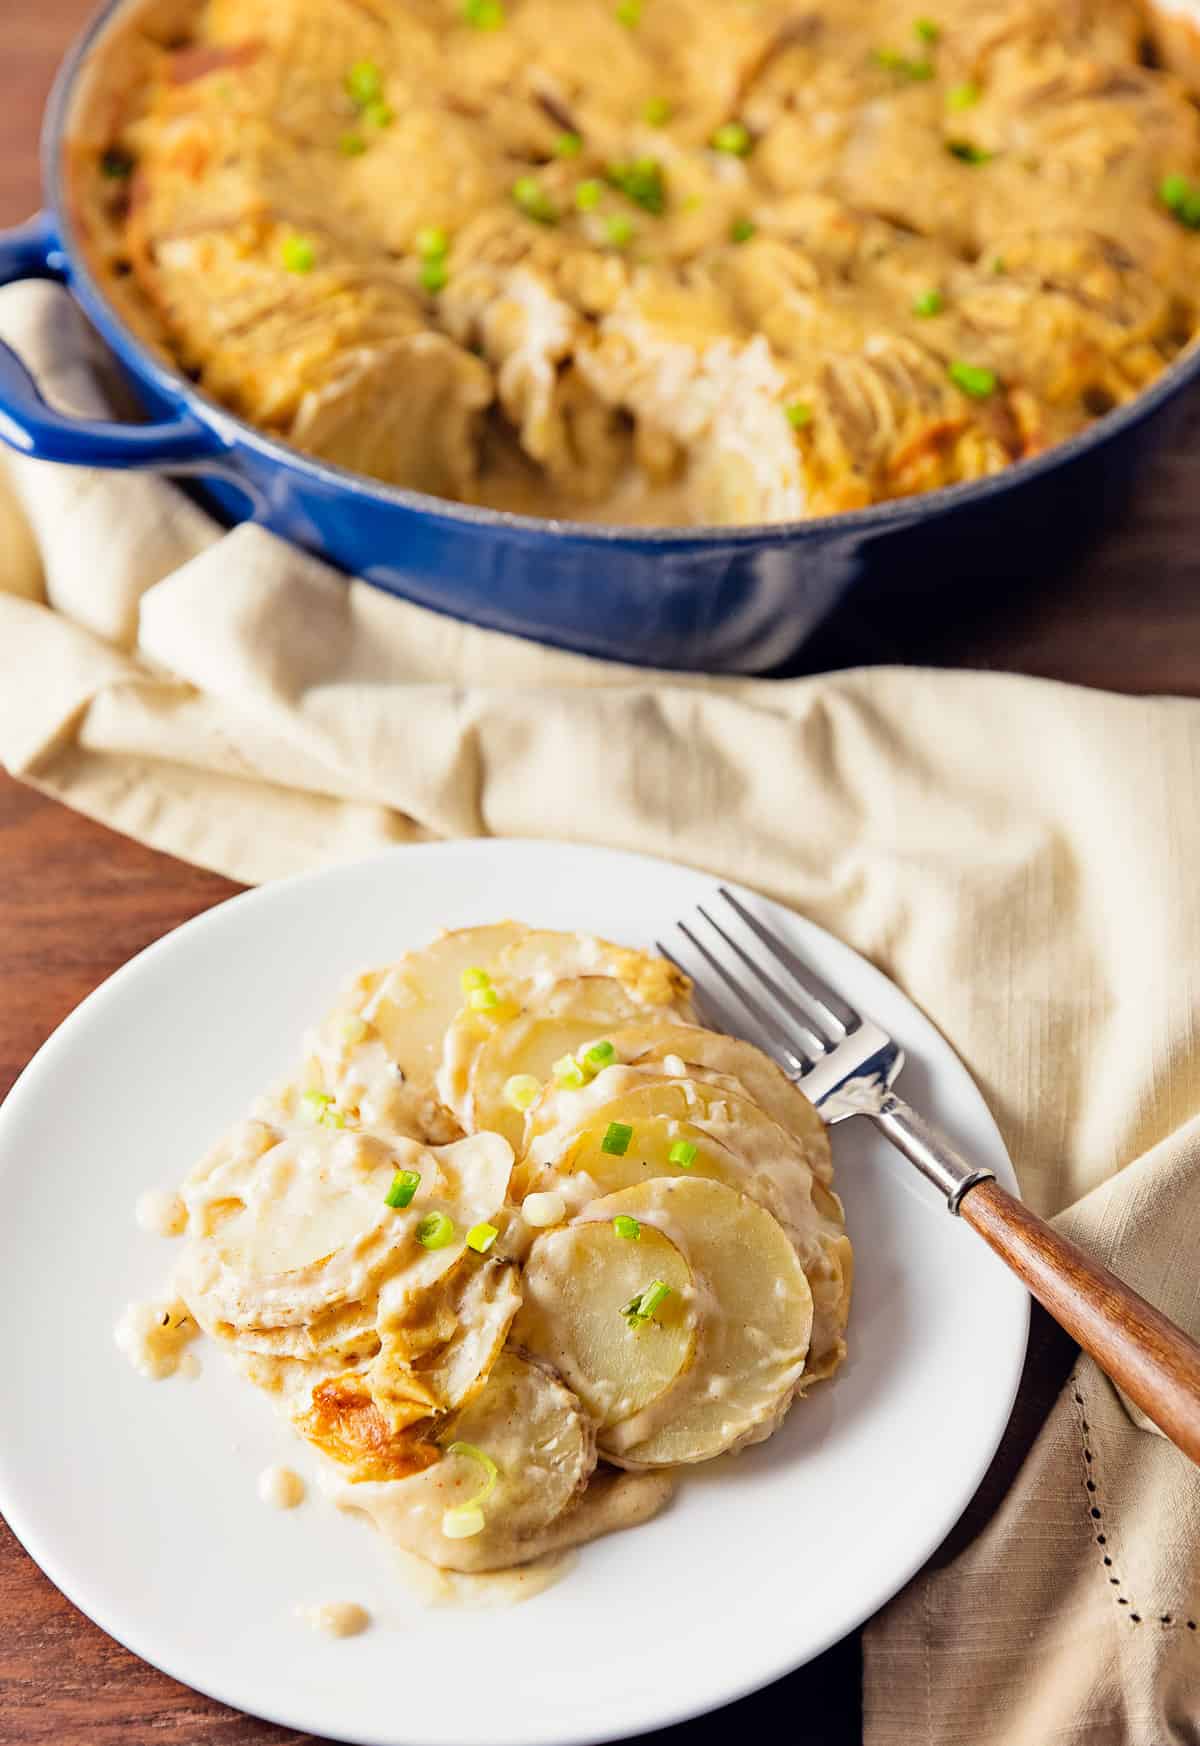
(76, 901)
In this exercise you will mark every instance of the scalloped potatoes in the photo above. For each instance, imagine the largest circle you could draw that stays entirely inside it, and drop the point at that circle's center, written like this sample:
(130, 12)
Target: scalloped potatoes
(518, 1239)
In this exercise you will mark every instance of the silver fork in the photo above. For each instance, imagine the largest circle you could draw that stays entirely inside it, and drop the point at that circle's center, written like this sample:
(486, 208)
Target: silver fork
(847, 1065)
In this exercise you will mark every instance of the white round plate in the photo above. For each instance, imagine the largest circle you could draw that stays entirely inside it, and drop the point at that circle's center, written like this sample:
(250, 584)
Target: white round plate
(138, 1498)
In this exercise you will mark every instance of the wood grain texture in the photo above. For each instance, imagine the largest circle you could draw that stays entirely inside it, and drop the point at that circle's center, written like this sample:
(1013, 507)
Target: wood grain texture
(1155, 1362)
(76, 901)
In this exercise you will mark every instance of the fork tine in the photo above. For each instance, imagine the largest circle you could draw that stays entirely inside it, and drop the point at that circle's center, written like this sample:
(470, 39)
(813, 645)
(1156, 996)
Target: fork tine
(706, 1002)
(824, 1041)
(816, 989)
(782, 1042)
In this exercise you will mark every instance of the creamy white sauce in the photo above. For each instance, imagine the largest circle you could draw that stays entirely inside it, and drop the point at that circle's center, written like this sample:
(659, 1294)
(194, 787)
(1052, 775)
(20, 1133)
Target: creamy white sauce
(153, 1337)
(336, 1618)
(161, 1212)
(281, 1487)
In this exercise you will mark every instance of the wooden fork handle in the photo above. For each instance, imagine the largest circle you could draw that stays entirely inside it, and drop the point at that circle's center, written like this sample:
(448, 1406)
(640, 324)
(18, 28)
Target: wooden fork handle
(1156, 1363)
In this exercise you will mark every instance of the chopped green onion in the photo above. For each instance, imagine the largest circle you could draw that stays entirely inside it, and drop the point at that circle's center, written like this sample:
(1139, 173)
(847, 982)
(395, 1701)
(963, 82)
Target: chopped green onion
(903, 65)
(599, 1055)
(481, 1237)
(364, 83)
(964, 96)
(116, 165)
(298, 254)
(491, 1472)
(483, 999)
(1182, 199)
(588, 195)
(642, 182)
(616, 1139)
(629, 13)
(405, 1184)
(732, 137)
(966, 153)
(656, 111)
(928, 303)
(741, 230)
(627, 1227)
(568, 1073)
(798, 413)
(474, 977)
(464, 1519)
(521, 1090)
(999, 264)
(532, 199)
(431, 243)
(434, 276)
(683, 1153)
(352, 145)
(619, 230)
(435, 1231)
(379, 113)
(641, 1307)
(568, 145)
(484, 14)
(927, 30)
(975, 380)
(315, 1104)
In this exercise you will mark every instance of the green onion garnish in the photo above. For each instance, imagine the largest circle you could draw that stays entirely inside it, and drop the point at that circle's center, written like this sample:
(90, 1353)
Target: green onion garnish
(532, 199)
(903, 65)
(433, 275)
(966, 153)
(116, 165)
(319, 1107)
(588, 195)
(627, 1227)
(656, 111)
(435, 1231)
(364, 83)
(568, 1073)
(298, 254)
(483, 999)
(642, 182)
(641, 1307)
(379, 113)
(928, 303)
(568, 145)
(927, 30)
(521, 1090)
(481, 1237)
(352, 145)
(741, 230)
(732, 137)
(599, 1055)
(999, 264)
(682, 1153)
(964, 96)
(405, 1184)
(464, 1519)
(798, 413)
(629, 13)
(483, 14)
(474, 977)
(616, 1139)
(431, 243)
(975, 380)
(1181, 199)
(619, 230)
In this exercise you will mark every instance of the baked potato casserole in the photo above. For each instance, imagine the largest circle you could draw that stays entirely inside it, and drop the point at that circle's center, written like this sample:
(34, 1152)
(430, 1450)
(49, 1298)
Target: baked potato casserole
(650, 261)
(517, 1240)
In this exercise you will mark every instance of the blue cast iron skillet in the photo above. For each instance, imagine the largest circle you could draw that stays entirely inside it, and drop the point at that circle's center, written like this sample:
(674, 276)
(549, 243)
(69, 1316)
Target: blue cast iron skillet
(736, 600)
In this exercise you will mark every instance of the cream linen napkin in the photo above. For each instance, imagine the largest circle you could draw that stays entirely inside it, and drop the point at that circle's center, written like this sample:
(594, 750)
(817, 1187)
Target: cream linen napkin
(1020, 856)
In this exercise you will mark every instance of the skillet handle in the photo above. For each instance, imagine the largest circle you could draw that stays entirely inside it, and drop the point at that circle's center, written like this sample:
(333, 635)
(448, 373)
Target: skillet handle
(1156, 1363)
(33, 428)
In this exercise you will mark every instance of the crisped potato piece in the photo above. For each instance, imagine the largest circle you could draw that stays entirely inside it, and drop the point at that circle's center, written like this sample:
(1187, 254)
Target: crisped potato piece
(527, 1422)
(755, 1321)
(704, 1052)
(438, 1350)
(343, 1421)
(576, 1280)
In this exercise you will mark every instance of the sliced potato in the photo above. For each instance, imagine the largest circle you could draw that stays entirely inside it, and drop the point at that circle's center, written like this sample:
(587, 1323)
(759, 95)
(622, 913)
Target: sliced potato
(765, 1083)
(576, 1280)
(482, 1057)
(542, 956)
(755, 1321)
(438, 1350)
(533, 1428)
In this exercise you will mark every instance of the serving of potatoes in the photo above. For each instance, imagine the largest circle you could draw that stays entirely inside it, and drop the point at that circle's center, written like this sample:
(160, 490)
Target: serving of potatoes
(517, 1239)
